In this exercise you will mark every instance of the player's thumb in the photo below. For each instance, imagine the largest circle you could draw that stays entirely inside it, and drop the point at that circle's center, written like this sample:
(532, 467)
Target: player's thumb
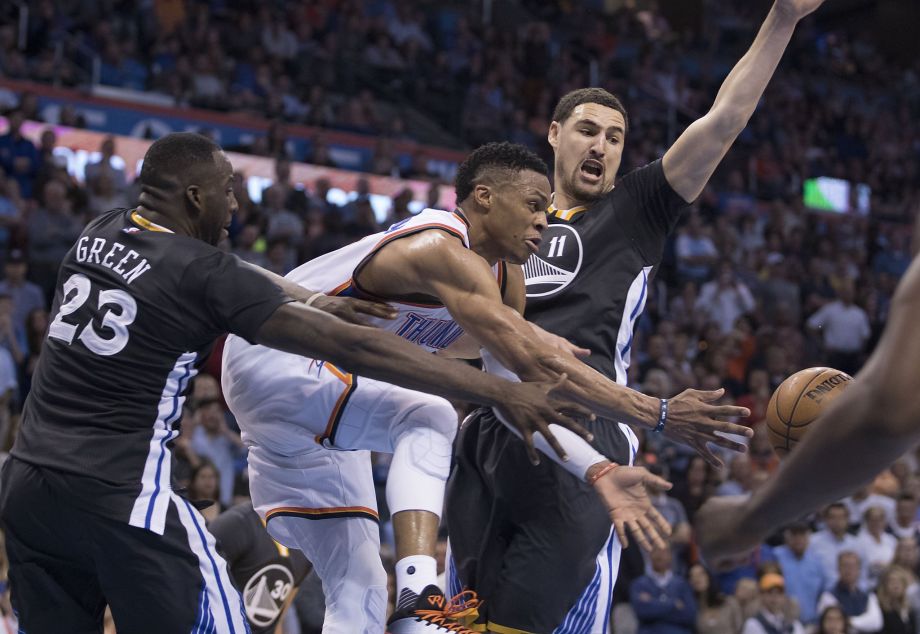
(656, 482)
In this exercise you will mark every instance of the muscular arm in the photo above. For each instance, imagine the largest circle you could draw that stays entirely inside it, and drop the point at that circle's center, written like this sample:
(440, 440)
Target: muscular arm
(866, 429)
(693, 158)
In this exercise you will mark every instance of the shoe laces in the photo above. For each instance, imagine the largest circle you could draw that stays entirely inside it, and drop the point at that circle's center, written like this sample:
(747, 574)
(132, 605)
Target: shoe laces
(449, 611)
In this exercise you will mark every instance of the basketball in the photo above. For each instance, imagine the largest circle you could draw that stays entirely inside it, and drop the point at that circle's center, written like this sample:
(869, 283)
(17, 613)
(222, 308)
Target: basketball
(798, 401)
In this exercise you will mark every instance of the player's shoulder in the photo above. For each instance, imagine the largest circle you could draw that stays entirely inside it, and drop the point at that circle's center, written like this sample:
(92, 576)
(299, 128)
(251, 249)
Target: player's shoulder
(650, 174)
(452, 222)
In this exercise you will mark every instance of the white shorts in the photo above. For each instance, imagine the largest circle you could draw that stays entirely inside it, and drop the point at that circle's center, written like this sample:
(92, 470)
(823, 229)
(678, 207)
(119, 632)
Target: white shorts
(308, 426)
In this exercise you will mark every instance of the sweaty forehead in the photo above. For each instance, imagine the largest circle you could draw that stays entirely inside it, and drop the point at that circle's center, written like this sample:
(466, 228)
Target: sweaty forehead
(602, 115)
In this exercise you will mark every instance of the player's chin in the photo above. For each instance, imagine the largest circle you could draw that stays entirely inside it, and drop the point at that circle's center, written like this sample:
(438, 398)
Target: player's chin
(518, 258)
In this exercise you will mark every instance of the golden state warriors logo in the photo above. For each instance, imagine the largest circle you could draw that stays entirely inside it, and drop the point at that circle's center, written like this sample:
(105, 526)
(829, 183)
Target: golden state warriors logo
(556, 264)
(265, 594)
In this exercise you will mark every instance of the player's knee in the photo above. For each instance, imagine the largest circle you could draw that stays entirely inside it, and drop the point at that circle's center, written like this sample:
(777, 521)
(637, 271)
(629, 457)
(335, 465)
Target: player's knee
(435, 414)
(425, 438)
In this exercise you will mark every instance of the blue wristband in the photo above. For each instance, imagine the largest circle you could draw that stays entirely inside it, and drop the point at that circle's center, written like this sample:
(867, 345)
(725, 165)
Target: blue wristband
(662, 416)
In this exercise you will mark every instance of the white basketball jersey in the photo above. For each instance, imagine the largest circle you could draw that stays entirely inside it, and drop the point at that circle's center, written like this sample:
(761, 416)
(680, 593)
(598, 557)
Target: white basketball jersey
(428, 325)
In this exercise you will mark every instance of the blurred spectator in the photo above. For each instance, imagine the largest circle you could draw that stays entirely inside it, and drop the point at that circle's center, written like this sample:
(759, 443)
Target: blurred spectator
(802, 570)
(18, 155)
(104, 166)
(53, 229)
(865, 497)
(844, 329)
(104, 197)
(694, 487)
(833, 539)
(663, 602)
(11, 216)
(12, 338)
(740, 479)
(861, 607)
(283, 224)
(696, 253)
(892, 598)
(717, 614)
(876, 547)
(726, 298)
(905, 521)
(9, 387)
(204, 486)
(25, 295)
(213, 439)
(772, 618)
(833, 621)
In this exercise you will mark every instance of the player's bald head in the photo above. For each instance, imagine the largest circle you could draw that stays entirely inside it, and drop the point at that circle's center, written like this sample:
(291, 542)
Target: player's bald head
(180, 159)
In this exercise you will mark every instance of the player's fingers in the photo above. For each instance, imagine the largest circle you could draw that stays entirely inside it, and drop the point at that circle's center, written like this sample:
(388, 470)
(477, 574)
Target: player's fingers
(376, 309)
(637, 533)
(725, 427)
(620, 528)
(660, 522)
(570, 408)
(729, 411)
(656, 482)
(557, 383)
(553, 442)
(531, 450)
(727, 443)
(709, 456)
(651, 533)
(578, 351)
(561, 418)
(710, 395)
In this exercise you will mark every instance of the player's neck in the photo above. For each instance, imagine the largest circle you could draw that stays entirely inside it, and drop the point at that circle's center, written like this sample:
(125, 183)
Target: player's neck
(479, 243)
(161, 219)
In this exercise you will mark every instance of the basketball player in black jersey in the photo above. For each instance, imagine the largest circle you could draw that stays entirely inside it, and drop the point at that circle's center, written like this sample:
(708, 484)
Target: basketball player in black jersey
(267, 573)
(588, 284)
(87, 505)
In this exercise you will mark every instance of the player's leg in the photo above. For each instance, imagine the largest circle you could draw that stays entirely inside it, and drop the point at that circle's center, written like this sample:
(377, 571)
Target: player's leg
(323, 503)
(52, 580)
(174, 582)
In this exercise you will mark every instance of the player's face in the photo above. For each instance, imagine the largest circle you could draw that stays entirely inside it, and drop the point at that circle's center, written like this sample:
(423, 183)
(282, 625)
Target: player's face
(517, 216)
(216, 201)
(588, 148)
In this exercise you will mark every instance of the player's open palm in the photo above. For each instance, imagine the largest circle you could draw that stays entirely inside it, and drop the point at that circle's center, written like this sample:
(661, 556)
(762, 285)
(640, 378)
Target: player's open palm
(799, 8)
(624, 491)
(694, 417)
(530, 408)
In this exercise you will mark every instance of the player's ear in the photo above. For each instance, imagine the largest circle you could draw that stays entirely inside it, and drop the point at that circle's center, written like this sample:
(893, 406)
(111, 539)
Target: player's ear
(482, 194)
(553, 135)
(193, 196)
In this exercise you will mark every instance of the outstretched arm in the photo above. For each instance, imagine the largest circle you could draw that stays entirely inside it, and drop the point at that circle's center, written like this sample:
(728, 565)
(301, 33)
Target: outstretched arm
(693, 158)
(866, 429)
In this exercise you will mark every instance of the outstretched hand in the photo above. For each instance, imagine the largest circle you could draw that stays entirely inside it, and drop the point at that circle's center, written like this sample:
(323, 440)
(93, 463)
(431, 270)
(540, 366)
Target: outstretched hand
(531, 406)
(798, 9)
(624, 491)
(355, 311)
(694, 419)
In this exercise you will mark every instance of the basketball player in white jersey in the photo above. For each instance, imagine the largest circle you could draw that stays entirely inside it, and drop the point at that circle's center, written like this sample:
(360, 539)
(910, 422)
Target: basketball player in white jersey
(445, 275)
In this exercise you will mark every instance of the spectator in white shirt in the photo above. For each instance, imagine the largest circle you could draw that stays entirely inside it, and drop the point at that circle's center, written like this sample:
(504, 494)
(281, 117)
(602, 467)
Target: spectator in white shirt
(876, 547)
(860, 606)
(844, 328)
(726, 298)
(862, 499)
(905, 517)
(696, 252)
(834, 539)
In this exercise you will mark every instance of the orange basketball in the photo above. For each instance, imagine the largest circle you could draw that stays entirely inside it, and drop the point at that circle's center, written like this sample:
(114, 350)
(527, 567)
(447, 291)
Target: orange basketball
(798, 401)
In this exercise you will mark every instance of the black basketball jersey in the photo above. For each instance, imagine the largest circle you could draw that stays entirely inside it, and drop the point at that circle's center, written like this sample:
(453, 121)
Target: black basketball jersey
(589, 281)
(136, 310)
(264, 571)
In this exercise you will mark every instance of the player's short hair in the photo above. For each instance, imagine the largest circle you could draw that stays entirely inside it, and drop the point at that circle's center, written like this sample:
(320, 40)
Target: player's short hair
(493, 157)
(572, 100)
(174, 156)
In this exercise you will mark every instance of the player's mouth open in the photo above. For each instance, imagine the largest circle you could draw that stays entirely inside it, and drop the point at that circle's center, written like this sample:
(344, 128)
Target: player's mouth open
(592, 169)
(533, 243)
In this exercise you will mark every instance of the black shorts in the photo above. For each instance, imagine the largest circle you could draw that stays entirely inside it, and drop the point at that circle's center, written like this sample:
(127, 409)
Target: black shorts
(67, 564)
(534, 542)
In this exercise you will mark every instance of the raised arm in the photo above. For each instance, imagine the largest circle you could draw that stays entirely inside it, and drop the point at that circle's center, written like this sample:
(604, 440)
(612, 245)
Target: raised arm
(867, 428)
(693, 158)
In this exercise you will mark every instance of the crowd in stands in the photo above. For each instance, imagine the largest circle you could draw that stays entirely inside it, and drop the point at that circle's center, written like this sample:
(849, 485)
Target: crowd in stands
(753, 286)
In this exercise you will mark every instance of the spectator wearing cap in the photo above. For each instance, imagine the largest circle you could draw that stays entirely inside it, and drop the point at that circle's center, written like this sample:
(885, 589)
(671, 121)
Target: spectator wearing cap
(26, 296)
(771, 619)
(833, 539)
(860, 606)
(663, 602)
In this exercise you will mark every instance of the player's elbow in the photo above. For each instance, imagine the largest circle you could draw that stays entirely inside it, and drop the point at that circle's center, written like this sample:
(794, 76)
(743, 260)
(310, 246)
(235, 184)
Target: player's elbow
(728, 121)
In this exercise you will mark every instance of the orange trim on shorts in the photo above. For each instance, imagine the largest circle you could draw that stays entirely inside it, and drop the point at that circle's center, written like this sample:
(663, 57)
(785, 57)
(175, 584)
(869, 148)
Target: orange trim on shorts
(351, 382)
(323, 513)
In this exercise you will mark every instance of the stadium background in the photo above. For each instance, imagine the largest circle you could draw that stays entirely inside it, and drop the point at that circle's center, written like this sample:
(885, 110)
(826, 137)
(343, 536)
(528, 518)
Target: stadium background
(346, 116)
